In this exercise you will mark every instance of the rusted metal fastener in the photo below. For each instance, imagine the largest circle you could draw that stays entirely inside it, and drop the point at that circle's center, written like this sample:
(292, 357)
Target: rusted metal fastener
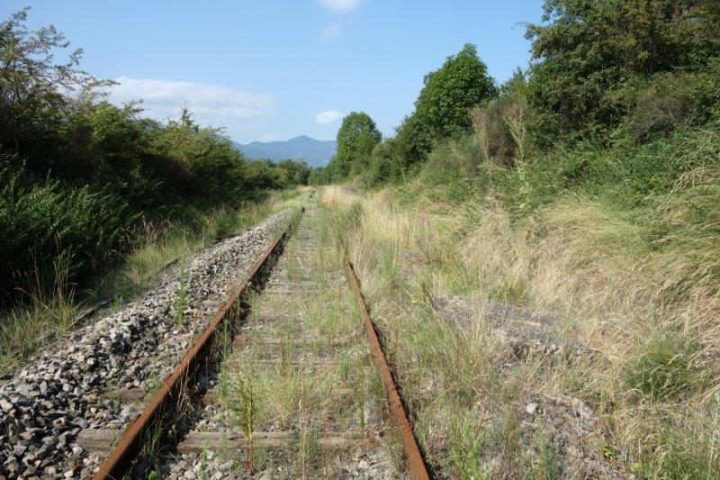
(121, 459)
(414, 461)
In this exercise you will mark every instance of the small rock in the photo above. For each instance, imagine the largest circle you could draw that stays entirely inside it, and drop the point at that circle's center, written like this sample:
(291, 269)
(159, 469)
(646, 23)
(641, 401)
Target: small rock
(5, 405)
(531, 408)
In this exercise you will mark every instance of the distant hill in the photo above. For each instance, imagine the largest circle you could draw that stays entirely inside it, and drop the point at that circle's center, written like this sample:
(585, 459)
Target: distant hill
(316, 153)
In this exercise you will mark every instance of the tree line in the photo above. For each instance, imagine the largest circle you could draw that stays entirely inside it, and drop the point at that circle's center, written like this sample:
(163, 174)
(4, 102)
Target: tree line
(78, 173)
(601, 71)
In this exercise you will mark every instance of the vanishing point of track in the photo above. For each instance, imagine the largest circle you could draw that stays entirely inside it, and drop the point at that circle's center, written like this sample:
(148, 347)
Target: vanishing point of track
(188, 381)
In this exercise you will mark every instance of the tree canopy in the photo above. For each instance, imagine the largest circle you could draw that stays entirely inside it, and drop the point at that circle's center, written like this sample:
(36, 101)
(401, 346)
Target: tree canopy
(586, 51)
(356, 140)
(451, 91)
(443, 106)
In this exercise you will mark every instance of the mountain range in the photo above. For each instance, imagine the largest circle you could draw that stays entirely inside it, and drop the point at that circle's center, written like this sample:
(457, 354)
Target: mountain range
(317, 153)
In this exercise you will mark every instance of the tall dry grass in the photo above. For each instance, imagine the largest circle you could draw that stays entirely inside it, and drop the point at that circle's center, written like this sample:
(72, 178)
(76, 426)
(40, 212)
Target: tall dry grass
(647, 312)
(657, 393)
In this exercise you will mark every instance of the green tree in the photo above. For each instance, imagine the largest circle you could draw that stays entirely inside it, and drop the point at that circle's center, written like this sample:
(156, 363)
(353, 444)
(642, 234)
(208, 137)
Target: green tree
(413, 142)
(586, 50)
(356, 140)
(33, 106)
(216, 168)
(451, 91)
(443, 108)
(383, 165)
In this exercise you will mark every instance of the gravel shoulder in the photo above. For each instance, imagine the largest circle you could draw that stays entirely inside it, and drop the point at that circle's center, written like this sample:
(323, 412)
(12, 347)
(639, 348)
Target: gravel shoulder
(70, 385)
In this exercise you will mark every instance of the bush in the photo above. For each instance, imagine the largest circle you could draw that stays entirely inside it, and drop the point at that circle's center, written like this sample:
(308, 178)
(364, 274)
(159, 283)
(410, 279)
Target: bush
(670, 101)
(43, 221)
(458, 167)
(588, 51)
(501, 123)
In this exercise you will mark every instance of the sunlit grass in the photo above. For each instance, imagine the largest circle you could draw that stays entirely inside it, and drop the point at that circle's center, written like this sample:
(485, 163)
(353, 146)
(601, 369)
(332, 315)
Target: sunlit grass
(648, 313)
(320, 380)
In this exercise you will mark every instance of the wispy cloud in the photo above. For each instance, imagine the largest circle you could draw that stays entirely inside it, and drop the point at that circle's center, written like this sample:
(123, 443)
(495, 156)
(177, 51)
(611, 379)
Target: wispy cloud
(341, 6)
(164, 98)
(327, 117)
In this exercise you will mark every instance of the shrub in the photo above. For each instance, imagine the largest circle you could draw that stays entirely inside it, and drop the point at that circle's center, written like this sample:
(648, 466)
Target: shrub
(670, 101)
(501, 124)
(43, 221)
(458, 167)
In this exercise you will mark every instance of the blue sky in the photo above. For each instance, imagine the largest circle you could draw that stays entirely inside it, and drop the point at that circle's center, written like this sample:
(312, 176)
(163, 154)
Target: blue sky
(269, 69)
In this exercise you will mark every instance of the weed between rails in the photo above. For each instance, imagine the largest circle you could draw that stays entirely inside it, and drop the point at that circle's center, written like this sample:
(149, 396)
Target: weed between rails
(314, 377)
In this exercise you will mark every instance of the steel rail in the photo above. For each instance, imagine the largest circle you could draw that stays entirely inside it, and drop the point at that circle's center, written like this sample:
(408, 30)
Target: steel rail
(414, 461)
(121, 459)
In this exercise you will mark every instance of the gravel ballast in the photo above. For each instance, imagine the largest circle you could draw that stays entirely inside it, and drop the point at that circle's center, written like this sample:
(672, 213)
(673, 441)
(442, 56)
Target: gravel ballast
(65, 388)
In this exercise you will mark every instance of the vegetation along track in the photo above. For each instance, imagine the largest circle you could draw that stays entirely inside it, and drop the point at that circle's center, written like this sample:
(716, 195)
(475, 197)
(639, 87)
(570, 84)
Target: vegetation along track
(85, 381)
(281, 383)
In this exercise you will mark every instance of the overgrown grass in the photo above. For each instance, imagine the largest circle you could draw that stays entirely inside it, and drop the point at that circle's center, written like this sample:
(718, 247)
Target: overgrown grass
(49, 314)
(632, 278)
(321, 380)
(157, 246)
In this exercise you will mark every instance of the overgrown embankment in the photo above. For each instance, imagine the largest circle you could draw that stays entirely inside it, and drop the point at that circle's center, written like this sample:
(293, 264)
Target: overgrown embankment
(96, 198)
(566, 342)
(582, 285)
(157, 247)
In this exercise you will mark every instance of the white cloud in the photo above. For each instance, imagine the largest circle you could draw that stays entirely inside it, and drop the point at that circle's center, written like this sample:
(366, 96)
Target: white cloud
(327, 117)
(332, 31)
(164, 98)
(341, 6)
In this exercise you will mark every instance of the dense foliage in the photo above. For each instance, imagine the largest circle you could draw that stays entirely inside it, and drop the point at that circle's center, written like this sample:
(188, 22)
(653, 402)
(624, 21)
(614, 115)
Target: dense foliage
(611, 74)
(77, 173)
(356, 140)
(593, 56)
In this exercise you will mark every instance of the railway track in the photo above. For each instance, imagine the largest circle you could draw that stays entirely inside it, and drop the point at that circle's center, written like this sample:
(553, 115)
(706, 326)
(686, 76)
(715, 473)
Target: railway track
(288, 380)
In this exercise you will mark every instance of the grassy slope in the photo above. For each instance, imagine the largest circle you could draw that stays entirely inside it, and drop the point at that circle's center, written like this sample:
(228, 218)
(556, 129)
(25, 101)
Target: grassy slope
(621, 244)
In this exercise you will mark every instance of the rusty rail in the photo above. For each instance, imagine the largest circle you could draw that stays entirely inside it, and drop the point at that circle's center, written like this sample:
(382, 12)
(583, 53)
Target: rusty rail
(121, 459)
(414, 461)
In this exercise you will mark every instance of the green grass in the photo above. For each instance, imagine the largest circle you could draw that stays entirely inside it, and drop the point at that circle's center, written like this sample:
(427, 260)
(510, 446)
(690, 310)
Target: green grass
(181, 297)
(344, 395)
(669, 368)
(24, 331)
